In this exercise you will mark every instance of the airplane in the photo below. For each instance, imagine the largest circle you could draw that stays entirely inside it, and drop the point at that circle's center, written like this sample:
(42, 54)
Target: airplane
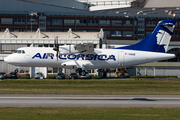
(84, 56)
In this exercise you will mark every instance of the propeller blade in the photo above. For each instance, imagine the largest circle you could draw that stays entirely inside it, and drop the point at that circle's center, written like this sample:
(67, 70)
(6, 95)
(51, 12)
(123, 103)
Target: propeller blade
(57, 56)
(54, 42)
(57, 49)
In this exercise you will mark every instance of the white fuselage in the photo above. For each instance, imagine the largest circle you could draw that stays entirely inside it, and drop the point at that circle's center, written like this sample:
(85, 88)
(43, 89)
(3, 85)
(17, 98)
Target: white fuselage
(100, 58)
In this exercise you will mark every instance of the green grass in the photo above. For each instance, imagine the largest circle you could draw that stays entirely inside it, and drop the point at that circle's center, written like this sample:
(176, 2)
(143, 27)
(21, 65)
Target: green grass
(91, 87)
(101, 87)
(89, 113)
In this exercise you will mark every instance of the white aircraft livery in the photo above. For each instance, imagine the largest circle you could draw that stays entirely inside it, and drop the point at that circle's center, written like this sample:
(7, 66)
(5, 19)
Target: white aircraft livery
(84, 56)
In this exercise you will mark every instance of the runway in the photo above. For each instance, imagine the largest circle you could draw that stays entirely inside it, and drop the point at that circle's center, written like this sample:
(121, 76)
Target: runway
(121, 101)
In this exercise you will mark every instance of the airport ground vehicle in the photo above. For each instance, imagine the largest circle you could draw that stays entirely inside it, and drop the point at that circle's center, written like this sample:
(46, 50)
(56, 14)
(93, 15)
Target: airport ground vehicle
(39, 75)
(87, 76)
(73, 75)
(3, 75)
(60, 75)
(12, 75)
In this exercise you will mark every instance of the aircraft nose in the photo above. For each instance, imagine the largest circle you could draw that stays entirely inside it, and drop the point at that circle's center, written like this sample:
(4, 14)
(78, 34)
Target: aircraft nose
(7, 59)
(13, 59)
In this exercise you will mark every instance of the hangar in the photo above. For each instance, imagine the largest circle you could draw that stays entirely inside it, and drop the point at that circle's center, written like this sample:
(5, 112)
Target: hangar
(125, 22)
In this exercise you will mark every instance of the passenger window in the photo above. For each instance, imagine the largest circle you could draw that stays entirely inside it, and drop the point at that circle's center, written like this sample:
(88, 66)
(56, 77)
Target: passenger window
(19, 51)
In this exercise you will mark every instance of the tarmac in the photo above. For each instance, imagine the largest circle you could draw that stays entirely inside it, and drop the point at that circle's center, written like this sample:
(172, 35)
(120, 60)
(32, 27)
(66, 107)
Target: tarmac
(113, 101)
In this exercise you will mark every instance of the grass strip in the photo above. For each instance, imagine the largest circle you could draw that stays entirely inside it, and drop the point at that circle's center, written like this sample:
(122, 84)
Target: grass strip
(89, 113)
(91, 87)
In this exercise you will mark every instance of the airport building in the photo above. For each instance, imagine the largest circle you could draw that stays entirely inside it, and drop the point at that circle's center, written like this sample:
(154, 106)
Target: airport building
(123, 22)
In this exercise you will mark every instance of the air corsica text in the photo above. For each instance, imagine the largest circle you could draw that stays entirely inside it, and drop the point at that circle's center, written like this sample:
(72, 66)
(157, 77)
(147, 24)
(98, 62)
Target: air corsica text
(75, 56)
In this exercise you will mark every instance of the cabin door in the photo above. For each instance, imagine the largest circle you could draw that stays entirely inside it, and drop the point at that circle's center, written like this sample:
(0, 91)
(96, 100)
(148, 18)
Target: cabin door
(120, 58)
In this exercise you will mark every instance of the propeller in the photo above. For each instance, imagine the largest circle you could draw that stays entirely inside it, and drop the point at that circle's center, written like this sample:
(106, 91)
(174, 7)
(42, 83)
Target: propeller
(56, 48)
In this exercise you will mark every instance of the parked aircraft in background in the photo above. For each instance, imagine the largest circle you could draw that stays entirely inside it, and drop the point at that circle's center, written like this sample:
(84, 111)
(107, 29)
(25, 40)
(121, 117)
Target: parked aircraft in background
(84, 56)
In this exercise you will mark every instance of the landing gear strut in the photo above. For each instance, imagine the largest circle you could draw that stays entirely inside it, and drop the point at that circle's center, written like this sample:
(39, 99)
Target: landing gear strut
(16, 71)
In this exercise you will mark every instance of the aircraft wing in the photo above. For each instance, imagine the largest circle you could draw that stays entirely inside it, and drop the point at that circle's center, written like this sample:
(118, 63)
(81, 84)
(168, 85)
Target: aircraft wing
(84, 47)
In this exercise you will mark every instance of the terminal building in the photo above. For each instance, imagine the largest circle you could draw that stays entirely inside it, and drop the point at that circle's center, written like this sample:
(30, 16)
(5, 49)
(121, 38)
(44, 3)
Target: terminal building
(123, 22)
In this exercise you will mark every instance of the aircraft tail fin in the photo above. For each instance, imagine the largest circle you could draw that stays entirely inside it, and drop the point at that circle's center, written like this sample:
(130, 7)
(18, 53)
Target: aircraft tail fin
(158, 40)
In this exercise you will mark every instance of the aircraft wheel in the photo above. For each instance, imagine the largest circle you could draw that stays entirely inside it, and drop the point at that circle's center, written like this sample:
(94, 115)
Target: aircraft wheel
(83, 73)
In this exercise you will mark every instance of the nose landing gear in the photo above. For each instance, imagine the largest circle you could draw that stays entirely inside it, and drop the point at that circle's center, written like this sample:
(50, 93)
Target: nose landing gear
(16, 71)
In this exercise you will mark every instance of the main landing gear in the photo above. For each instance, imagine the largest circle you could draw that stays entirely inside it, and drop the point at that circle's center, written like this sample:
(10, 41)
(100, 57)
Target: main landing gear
(81, 72)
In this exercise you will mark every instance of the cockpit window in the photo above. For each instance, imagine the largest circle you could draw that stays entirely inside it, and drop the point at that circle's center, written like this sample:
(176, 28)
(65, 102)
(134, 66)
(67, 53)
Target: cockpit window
(20, 51)
(16, 51)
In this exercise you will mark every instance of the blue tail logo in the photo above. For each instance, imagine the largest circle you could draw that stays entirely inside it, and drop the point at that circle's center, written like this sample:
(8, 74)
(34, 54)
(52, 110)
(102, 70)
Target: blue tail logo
(157, 41)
